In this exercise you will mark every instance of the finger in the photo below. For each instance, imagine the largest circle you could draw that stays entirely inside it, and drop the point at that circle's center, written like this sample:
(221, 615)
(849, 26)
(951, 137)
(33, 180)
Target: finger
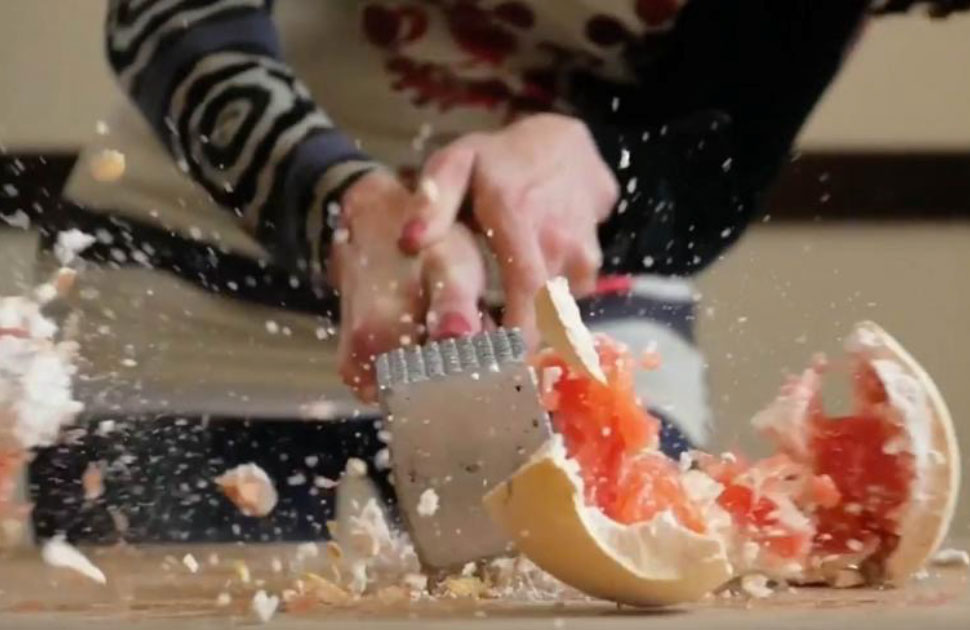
(366, 339)
(374, 319)
(582, 268)
(442, 188)
(454, 278)
(523, 274)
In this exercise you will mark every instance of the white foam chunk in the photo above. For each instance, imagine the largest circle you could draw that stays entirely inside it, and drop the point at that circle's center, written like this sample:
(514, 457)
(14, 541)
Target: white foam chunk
(264, 606)
(57, 552)
(428, 503)
(951, 558)
(70, 243)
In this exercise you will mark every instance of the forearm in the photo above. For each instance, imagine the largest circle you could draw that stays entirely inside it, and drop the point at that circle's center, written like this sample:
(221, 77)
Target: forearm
(209, 79)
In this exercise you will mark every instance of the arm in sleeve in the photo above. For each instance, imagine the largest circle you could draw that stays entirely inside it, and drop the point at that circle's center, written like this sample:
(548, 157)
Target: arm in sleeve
(208, 77)
(696, 144)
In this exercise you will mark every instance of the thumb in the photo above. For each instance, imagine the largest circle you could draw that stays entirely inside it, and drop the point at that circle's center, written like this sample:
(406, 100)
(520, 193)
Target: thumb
(442, 187)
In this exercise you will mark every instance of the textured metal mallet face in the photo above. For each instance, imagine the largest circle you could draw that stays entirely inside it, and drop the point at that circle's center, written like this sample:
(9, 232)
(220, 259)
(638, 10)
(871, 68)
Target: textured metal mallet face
(463, 415)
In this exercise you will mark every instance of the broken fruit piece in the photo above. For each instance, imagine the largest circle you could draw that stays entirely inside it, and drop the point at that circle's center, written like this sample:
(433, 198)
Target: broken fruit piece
(864, 497)
(894, 460)
(606, 430)
(654, 562)
(249, 488)
(561, 325)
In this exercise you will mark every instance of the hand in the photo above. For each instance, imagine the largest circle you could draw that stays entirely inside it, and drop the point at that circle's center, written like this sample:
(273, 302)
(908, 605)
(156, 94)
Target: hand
(388, 299)
(538, 190)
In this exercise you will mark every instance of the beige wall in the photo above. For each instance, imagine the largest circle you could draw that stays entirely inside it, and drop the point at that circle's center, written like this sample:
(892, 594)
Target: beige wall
(54, 83)
(905, 86)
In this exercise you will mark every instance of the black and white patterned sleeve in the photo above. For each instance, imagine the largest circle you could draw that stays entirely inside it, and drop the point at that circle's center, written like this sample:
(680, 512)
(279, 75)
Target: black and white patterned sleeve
(207, 75)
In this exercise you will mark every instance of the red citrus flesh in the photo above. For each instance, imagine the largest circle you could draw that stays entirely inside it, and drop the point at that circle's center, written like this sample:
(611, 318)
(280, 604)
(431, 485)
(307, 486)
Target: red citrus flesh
(614, 440)
(874, 484)
(848, 497)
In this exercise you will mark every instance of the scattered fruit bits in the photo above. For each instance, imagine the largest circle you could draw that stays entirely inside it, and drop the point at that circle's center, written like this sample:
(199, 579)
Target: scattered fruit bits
(108, 166)
(57, 552)
(242, 572)
(264, 606)
(356, 467)
(190, 563)
(951, 558)
(92, 481)
(756, 585)
(428, 503)
(249, 488)
(462, 587)
(325, 591)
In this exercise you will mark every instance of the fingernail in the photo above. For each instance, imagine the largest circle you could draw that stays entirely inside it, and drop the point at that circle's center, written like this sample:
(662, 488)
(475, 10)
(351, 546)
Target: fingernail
(411, 235)
(452, 325)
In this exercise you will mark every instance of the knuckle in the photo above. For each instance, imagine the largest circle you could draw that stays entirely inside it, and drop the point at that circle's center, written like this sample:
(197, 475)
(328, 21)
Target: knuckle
(557, 239)
(530, 277)
(576, 127)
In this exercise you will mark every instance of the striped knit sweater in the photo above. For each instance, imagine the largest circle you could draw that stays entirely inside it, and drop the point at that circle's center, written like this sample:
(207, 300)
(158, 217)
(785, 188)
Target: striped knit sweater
(712, 96)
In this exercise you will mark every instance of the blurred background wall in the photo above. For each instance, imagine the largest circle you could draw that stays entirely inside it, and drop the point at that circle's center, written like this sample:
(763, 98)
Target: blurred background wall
(790, 288)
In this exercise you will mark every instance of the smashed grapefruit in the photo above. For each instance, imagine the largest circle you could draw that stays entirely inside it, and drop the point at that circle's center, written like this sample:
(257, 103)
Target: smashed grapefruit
(871, 492)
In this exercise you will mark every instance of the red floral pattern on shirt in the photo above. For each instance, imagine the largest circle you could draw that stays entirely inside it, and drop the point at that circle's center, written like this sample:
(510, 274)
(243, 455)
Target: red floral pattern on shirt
(487, 34)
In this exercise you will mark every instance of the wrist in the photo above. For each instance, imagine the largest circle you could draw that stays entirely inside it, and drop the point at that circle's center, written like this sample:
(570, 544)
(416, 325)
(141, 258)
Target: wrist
(332, 191)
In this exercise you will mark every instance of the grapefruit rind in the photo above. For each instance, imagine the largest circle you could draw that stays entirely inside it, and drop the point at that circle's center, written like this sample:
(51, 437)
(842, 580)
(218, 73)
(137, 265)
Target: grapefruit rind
(561, 327)
(918, 407)
(653, 563)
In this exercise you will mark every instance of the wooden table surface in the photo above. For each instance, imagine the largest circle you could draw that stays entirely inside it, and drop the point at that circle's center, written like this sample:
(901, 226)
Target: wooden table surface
(147, 591)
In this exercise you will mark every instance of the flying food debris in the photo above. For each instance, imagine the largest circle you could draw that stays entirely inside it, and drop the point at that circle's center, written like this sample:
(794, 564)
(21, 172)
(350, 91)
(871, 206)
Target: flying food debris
(92, 481)
(242, 572)
(428, 503)
(108, 166)
(307, 550)
(417, 582)
(356, 467)
(756, 585)
(264, 606)
(19, 219)
(463, 587)
(951, 558)
(249, 488)
(382, 461)
(190, 563)
(70, 243)
(327, 592)
(223, 600)
(57, 552)
(335, 552)
(325, 482)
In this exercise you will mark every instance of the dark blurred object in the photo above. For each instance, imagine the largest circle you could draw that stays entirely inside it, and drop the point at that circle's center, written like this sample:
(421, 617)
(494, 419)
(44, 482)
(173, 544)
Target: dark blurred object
(864, 185)
(935, 8)
(872, 186)
(158, 478)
